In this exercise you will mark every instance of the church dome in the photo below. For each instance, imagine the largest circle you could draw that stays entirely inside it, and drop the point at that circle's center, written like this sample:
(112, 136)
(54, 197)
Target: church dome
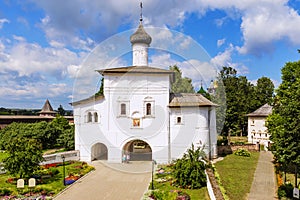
(140, 36)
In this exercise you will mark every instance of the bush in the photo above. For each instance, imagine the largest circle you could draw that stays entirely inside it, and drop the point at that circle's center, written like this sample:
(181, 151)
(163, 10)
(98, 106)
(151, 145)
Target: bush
(242, 152)
(5, 191)
(189, 171)
(285, 190)
(53, 171)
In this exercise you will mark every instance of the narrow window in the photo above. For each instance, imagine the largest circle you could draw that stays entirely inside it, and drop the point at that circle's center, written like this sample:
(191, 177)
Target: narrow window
(89, 119)
(95, 117)
(178, 120)
(148, 109)
(123, 109)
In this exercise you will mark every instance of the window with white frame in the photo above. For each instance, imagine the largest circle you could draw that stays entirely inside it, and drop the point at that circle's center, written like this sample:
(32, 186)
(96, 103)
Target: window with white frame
(178, 119)
(96, 117)
(123, 108)
(89, 117)
(149, 107)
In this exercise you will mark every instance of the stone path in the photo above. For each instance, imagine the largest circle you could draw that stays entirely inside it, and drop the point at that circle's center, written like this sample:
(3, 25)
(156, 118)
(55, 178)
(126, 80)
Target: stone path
(111, 181)
(264, 183)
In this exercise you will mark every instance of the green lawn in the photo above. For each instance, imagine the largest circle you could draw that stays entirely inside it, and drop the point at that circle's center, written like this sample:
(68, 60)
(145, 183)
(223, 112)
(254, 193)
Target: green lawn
(236, 173)
(162, 183)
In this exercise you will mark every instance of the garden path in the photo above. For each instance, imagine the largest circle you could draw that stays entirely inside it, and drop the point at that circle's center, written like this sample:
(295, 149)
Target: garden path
(264, 183)
(111, 181)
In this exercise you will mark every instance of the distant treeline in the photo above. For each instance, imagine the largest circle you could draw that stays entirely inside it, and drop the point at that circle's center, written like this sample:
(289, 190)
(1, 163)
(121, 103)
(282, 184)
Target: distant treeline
(16, 111)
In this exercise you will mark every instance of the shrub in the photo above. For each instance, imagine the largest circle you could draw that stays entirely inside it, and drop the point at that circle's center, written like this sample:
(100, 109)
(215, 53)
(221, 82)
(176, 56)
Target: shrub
(53, 171)
(285, 190)
(189, 171)
(242, 152)
(5, 191)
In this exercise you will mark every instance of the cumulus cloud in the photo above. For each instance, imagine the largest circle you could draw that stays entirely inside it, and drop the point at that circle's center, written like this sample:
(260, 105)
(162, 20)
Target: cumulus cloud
(262, 22)
(225, 59)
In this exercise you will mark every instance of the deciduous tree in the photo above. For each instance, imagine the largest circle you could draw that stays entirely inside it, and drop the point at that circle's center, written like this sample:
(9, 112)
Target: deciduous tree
(284, 122)
(181, 84)
(24, 156)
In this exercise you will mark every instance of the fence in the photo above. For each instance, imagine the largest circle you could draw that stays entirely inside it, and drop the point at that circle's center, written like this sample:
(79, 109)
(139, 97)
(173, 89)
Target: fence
(57, 157)
(229, 149)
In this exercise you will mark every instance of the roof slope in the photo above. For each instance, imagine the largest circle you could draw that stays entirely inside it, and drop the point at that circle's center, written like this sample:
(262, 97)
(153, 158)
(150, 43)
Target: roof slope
(262, 111)
(136, 70)
(87, 100)
(189, 100)
(47, 108)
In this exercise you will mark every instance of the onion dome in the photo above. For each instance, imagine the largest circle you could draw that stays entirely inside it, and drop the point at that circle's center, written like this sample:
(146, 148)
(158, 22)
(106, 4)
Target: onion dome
(140, 36)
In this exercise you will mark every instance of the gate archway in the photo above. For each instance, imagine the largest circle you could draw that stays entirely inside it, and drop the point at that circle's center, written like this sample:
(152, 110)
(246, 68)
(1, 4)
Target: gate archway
(99, 152)
(138, 150)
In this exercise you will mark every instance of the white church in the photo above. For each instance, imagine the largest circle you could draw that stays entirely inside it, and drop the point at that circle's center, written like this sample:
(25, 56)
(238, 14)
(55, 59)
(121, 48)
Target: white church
(139, 116)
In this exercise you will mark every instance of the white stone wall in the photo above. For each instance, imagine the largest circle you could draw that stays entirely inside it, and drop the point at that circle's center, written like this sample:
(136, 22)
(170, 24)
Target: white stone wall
(257, 131)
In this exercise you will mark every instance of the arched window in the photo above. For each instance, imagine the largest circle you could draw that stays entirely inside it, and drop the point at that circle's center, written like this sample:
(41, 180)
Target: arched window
(123, 109)
(89, 117)
(95, 117)
(148, 109)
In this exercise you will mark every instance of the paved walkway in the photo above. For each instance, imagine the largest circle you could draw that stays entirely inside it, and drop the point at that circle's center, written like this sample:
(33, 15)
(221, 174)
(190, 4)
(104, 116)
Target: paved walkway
(111, 181)
(264, 183)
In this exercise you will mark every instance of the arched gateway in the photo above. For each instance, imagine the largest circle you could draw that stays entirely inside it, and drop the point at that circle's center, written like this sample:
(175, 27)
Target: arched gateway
(99, 152)
(138, 150)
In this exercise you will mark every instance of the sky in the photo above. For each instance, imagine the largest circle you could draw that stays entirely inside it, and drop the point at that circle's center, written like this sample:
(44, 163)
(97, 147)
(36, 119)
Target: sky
(51, 49)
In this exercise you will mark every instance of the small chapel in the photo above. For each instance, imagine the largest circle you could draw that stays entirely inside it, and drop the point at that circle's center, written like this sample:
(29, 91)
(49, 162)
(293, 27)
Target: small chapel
(138, 116)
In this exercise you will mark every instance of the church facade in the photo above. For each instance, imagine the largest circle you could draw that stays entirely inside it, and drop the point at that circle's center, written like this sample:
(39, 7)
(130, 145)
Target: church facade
(139, 118)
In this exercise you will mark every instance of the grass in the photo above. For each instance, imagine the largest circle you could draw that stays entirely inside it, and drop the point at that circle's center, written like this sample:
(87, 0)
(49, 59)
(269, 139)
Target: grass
(235, 139)
(237, 173)
(162, 182)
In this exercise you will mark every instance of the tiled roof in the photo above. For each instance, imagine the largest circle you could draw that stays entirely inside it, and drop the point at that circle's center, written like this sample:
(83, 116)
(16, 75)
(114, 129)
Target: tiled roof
(263, 111)
(189, 100)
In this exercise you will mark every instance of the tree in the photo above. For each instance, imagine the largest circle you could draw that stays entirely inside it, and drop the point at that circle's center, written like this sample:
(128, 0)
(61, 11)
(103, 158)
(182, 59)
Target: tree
(24, 156)
(49, 135)
(264, 91)
(181, 85)
(219, 98)
(284, 122)
(239, 95)
(189, 171)
(100, 92)
(61, 110)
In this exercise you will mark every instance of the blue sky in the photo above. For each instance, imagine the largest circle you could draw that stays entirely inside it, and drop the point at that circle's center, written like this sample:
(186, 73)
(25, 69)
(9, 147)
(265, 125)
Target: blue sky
(50, 49)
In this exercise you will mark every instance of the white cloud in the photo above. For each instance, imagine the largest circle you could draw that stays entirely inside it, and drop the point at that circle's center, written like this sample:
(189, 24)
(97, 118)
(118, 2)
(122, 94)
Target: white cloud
(28, 58)
(3, 21)
(225, 59)
(262, 22)
(221, 42)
